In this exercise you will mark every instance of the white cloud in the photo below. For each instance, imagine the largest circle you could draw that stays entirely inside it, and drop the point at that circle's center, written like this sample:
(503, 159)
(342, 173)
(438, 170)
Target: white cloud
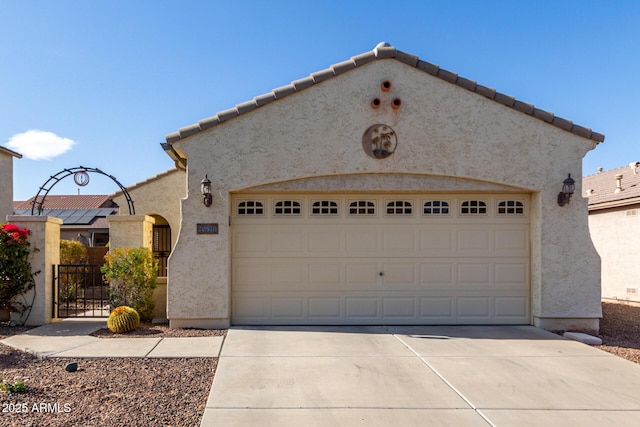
(39, 145)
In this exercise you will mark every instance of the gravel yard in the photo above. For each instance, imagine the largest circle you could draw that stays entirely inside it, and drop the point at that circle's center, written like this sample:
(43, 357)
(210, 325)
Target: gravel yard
(106, 392)
(170, 392)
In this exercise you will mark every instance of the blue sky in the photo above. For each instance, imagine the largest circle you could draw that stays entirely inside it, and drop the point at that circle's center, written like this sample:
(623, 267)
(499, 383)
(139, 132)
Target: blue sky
(105, 81)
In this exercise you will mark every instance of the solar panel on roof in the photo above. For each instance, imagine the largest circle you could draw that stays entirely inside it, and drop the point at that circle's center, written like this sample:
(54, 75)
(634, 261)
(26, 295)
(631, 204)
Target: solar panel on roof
(72, 216)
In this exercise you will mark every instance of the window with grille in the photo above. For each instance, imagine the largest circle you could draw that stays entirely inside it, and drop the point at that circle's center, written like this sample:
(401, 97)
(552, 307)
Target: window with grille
(250, 207)
(399, 207)
(362, 207)
(510, 207)
(436, 207)
(324, 207)
(288, 207)
(473, 207)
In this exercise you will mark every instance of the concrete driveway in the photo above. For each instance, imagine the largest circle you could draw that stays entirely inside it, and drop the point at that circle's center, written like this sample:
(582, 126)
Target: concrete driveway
(415, 376)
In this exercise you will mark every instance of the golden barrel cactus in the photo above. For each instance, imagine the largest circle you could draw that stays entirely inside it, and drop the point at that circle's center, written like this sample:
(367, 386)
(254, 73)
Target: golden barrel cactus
(123, 319)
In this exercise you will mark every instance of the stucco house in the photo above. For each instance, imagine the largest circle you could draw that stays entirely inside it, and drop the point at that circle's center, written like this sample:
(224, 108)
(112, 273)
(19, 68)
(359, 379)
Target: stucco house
(382, 190)
(614, 223)
(6, 182)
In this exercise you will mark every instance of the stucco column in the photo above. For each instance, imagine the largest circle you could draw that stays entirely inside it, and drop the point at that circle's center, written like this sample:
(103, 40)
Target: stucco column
(130, 231)
(45, 238)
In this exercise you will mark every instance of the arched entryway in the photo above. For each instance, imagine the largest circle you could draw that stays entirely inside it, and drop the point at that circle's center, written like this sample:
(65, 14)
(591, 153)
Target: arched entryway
(161, 245)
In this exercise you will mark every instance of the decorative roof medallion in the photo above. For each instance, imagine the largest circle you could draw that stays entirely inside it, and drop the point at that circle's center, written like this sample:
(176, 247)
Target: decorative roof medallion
(379, 141)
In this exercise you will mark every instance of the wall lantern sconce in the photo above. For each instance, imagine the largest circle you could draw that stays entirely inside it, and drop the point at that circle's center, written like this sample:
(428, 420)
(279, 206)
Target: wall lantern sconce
(205, 188)
(568, 187)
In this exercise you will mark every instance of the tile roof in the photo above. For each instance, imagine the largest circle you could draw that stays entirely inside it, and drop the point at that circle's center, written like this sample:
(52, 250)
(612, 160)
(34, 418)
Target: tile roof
(93, 201)
(600, 188)
(382, 51)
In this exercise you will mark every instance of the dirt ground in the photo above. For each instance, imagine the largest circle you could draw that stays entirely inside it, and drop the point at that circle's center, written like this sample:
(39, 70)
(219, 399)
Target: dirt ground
(170, 392)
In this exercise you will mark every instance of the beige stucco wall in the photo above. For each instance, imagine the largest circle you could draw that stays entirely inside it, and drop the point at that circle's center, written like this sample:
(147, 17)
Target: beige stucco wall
(159, 196)
(445, 133)
(614, 233)
(6, 185)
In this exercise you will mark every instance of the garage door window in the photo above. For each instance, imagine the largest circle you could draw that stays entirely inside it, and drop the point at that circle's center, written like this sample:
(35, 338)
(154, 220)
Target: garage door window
(288, 207)
(362, 207)
(510, 207)
(324, 207)
(473, 207)
(436, 207)
(250, 207)
(399, 207)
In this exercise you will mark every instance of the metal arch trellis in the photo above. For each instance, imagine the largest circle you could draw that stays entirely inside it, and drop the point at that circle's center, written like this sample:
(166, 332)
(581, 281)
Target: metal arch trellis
(38, 201)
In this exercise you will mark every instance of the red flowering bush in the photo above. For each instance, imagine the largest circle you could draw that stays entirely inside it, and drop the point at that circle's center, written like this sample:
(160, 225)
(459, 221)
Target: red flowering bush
(16, 277)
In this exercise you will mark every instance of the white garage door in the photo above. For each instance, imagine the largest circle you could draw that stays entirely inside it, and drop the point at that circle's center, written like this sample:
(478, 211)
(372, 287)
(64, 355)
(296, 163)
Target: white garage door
(380, 259)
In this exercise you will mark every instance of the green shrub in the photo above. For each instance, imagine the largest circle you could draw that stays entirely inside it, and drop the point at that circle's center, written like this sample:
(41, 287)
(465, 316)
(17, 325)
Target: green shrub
(17, 385)
(123, 319)
(132, 273)
(74, 253)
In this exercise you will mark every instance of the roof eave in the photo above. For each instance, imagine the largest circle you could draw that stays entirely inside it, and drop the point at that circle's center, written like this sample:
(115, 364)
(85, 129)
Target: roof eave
(615, 204)
(179, 161)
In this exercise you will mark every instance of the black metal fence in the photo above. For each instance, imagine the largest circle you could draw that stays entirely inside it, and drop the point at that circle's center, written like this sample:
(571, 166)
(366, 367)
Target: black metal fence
(161, 247)
(80, 291)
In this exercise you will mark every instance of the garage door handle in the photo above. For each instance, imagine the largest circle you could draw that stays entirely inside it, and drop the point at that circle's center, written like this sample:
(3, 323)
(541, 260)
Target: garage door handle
(381, 273)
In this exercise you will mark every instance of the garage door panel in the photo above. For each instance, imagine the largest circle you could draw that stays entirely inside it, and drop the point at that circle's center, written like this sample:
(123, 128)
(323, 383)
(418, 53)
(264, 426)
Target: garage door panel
(325, 241)
(478, 308)
(471, 242)
(326, 276)
(511, 308)
(251, 240)
(292, 308)
(476, 274)
(437, 273)
(511, 242)
(436, 242)
(362, 241)
(288, 276)
(326, 308)
(398, 241)
(249, 275)
(441, 308)
(361, 308)
(287, 241)
(399, 276)
(362, 276)
(511, 274)
(399, 307)
(252, 308)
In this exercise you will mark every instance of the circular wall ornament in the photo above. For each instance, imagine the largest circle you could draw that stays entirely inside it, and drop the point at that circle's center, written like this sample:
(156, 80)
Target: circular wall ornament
(81, 178)
(379, 141)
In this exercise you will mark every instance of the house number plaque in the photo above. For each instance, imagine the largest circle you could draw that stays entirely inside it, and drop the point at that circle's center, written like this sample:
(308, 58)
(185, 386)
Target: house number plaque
(209, 228)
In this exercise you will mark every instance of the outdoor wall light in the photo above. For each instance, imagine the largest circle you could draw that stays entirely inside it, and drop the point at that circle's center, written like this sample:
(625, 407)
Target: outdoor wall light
(568, 187)
(205, 188)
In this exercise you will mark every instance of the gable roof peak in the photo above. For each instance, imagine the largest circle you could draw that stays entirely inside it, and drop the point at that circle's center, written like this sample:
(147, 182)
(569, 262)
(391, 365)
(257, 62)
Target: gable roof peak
(383, 50)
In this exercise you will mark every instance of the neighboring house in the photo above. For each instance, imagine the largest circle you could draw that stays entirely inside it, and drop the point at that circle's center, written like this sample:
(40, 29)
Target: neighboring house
(6, 182)
(383, 190)
(614, 223)
(84, 216)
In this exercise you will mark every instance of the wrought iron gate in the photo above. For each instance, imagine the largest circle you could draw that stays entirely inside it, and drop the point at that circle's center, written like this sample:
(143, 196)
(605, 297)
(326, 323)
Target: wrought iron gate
(79, 291)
